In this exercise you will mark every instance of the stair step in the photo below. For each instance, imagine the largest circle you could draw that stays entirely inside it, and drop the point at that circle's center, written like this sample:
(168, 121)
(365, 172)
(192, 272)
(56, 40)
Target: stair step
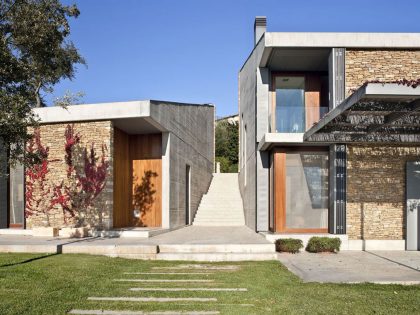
(217, 248)
(222, 205)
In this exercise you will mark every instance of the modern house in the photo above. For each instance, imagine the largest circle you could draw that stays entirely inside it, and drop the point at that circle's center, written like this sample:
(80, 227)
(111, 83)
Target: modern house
(330, 137)
(114, 165)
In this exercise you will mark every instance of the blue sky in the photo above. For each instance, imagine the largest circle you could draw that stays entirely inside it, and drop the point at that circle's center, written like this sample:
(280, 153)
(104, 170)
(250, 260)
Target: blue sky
(192, 50)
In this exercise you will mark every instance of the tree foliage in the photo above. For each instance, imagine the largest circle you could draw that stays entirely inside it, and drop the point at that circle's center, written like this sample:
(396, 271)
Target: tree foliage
(35, 54)
(227, 146)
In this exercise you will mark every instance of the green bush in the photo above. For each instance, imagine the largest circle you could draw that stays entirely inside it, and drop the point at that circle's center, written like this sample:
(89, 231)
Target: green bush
(289, 245)
(323, 244)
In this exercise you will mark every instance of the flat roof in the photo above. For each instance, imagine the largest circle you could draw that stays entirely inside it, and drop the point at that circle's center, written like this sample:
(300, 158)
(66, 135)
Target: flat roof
(342, 40)
(102, 111)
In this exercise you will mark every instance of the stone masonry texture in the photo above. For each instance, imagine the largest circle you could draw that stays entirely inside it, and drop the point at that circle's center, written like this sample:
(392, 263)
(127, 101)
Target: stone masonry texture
(383, 65)
(98, 133)
(376, 190)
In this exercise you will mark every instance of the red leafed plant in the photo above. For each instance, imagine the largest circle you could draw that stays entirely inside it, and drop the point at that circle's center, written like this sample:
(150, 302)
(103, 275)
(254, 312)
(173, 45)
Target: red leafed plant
(93, 179)
(38, 193)
(86, 177)
(66, 192)
(85, 180)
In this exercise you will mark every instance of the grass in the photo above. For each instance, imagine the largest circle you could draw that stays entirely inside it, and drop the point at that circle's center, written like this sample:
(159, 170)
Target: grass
(54, 284)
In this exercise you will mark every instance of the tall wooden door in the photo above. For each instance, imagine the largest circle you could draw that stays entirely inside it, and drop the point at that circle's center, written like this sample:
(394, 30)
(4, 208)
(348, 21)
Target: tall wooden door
(137, 180)
(146, 159)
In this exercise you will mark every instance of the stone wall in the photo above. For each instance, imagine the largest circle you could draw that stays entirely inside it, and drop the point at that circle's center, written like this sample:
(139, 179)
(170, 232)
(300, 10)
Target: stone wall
(376, 191)
(384, 65)
(99, 213)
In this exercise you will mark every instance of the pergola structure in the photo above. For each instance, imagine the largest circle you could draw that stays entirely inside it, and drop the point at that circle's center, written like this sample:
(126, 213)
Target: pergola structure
(375, 113)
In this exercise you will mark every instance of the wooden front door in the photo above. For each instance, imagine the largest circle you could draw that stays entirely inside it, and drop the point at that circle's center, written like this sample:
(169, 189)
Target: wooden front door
(137, 180)
(300, 190)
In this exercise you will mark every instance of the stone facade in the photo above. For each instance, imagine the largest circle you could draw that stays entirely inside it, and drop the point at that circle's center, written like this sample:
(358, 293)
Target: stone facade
(98, 133)
(384, 65)
(376, 191)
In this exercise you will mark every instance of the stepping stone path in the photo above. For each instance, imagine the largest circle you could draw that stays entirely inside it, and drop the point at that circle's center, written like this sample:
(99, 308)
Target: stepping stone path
(198, 269)
(105, 312)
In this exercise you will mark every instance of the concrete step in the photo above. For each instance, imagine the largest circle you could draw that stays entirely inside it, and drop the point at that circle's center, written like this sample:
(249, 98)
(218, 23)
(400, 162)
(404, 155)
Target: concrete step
(136, 232)
(217, 248)
(222, 205)
(219, 223)
(217, 256)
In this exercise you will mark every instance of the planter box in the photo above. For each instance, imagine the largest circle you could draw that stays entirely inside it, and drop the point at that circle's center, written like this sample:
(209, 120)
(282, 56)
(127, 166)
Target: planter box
(45, 231)
(74, 232)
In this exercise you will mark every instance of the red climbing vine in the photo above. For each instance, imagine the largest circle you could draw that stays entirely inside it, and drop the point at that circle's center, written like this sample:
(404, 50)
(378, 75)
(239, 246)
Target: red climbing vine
(85, 180)
(38, 193)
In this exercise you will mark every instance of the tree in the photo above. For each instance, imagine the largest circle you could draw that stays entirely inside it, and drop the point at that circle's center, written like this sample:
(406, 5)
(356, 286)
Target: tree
(35, 54)
(227, 146)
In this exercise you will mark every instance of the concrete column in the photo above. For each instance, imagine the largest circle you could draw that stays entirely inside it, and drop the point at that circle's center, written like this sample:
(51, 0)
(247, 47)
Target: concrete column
(166, 180)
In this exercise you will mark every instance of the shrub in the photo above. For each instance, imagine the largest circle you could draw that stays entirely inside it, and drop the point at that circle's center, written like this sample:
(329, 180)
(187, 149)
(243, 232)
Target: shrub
(289, 245)
(323, 244)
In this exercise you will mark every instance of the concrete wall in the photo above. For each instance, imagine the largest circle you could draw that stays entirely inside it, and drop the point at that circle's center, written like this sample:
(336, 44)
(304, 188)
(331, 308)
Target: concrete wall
(384, 65)
(99, 213)
(376, 191)
(191, 133)
(254, 115)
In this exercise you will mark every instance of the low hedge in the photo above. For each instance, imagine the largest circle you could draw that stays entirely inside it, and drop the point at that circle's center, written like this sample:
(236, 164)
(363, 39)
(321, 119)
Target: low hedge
(289, 245)
(323, 244)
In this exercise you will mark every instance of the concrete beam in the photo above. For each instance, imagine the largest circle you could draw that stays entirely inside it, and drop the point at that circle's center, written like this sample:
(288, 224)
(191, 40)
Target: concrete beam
(346, 40)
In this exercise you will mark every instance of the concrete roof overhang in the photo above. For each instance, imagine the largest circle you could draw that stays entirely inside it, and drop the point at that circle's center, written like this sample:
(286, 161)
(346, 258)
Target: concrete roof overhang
(277, 41)
(375, 113)
(134, 117)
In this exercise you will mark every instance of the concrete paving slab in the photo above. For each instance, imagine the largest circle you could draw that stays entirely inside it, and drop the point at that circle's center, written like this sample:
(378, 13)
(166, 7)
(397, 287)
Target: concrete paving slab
(168, 273)
(151, 299)
(112, 312)
(163, 280)
(191, 289)
(199, 266)
(355, 267)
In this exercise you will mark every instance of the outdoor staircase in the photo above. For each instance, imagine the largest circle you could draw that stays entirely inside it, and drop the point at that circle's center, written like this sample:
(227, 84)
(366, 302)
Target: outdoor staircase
(222, 205)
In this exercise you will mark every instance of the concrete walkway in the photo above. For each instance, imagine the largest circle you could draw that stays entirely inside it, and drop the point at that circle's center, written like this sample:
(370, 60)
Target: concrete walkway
(400, 267)
(189, 243)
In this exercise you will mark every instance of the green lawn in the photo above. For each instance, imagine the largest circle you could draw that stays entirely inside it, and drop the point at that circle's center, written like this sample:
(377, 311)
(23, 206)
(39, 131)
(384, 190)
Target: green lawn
(40, 284)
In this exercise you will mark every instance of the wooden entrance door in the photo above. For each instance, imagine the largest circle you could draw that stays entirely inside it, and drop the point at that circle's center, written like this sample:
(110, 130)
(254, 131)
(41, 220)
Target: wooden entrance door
(300, 190)
(137, 180)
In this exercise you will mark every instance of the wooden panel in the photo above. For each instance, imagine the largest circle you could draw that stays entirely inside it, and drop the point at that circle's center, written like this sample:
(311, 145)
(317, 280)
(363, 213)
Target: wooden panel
(279, 191)
(122, 180)
(146, 161)
(312, 99)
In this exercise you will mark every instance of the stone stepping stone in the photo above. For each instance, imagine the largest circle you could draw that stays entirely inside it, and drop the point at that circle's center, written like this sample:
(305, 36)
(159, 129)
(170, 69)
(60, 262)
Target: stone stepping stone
(151, 299)
(202, 267)
(168, 273)
(162, 280)
(111, 312)
(191, 289)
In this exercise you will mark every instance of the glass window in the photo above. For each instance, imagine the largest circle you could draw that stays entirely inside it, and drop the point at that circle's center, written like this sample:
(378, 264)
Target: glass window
(307, 190)
(290, 104)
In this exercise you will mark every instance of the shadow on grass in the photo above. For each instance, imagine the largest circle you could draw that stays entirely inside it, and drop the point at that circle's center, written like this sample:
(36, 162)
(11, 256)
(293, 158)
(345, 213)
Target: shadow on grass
(28, 260)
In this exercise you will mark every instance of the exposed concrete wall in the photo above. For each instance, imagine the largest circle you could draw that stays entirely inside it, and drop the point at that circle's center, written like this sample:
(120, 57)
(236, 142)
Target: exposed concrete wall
(250, 81)
(376, 191)
(191, 131)
(99, 213)
(378, 64)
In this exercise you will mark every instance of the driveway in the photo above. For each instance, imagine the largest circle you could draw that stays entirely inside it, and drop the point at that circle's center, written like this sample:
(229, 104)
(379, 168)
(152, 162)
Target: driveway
(384, 267)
